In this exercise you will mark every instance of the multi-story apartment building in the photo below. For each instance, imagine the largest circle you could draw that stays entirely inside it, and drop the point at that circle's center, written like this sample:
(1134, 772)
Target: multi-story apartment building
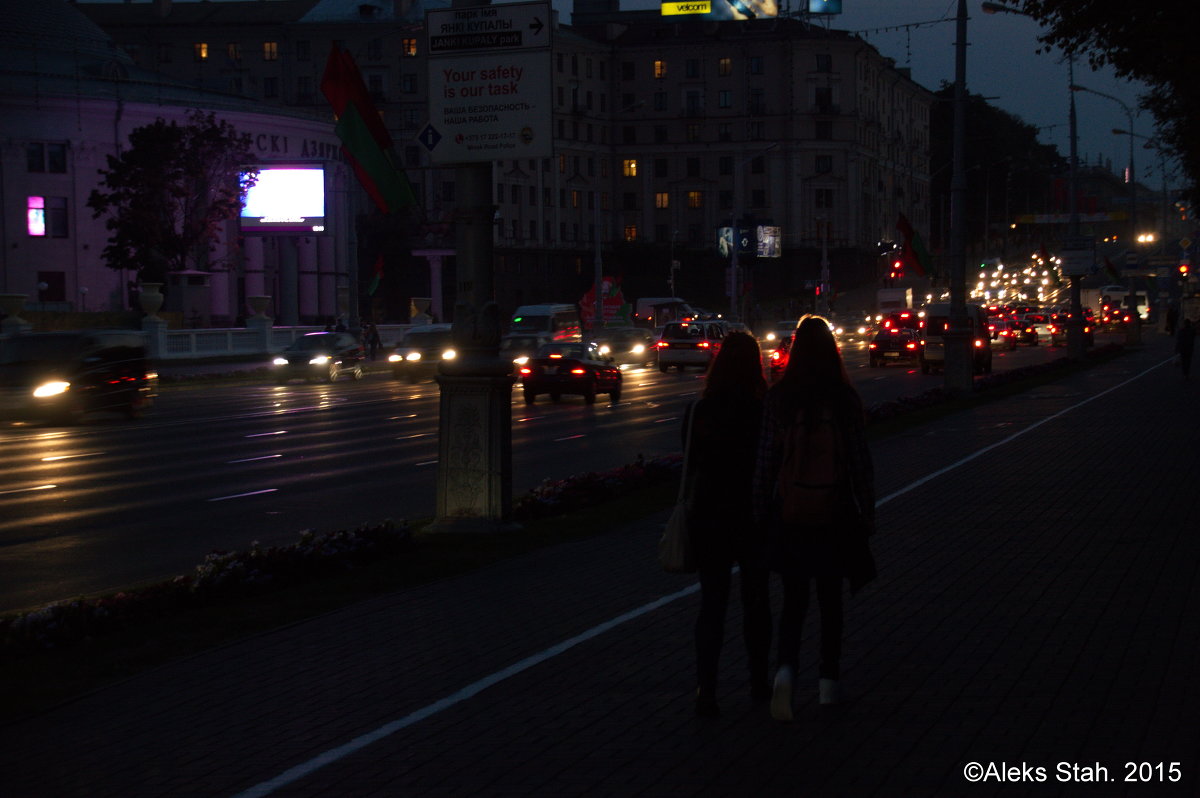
(664, 132)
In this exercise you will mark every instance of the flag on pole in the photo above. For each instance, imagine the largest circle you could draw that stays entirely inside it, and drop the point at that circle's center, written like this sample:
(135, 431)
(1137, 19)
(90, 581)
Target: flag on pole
(376, 275)
(366, 142)
(914, 254)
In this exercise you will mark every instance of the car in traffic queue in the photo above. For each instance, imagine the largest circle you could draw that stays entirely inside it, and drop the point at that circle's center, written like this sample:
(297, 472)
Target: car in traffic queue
(319, 356)
(58, 377)
(689, 343)
(570, 368)
(933, 337)
(902, 320)
(421, 352)
(782, 331)
(1033, 329)
(627, 346)
(519, 347)
(777, 359)
(1003, 333)
(1059, 324)
(894, 345)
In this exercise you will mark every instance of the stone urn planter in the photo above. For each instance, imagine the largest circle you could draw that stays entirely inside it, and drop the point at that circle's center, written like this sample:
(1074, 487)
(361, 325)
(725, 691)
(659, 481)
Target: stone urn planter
(151, 299)
(259, 305)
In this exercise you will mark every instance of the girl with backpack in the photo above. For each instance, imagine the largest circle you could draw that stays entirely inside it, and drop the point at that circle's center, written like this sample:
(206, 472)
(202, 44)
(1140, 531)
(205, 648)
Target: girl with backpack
(723, 443)
(814, 494)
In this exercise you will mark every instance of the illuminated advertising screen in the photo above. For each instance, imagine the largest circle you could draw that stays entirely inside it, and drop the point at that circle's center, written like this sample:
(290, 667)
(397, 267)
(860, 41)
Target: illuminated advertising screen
(286, 199)
(824, 6)
(721, 9)
(769, 241)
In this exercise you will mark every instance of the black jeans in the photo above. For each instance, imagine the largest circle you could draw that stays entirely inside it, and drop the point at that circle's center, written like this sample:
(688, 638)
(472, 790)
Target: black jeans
(791, 621)
(715, 579)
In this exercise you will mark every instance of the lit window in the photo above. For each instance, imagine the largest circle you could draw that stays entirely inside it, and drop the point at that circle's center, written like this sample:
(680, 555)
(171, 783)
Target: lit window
(660, 69)
(408, 47)
(662, 200)
(629, 167)
(270, 51)
(695, 199)
(724, 66)
(631, 232)
(234, 51)
(574, 199)
(200, 49)
(36, 216)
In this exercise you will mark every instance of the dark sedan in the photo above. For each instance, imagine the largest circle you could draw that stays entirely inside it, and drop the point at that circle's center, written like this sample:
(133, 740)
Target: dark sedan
(570, 368)
(894, 345)
(323, 356)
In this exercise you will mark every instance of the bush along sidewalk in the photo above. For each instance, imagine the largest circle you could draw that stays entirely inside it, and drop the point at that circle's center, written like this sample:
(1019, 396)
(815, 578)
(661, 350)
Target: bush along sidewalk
(230, 575)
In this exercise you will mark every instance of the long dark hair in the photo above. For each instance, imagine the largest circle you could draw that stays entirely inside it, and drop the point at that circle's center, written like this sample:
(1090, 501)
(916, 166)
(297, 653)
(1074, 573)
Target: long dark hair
(737, 370)
(815, 374)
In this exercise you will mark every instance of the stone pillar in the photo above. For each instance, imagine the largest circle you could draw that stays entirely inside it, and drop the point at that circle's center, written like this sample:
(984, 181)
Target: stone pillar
(307, 278)
(289, 279)
(474, 446)
(254, 268)
(327, 278)
(260, 322)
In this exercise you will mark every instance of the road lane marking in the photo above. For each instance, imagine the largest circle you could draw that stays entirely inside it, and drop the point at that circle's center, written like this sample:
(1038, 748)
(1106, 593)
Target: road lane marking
(568, 438)
(266, 434)
(243, 495)
(28, 490)
(54, 457)
(470, 691)
(475, 688)
(426, 463)
(252, 459)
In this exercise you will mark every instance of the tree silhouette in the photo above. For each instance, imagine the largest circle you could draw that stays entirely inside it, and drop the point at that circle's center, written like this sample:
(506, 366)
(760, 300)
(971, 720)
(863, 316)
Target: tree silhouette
(168, 193)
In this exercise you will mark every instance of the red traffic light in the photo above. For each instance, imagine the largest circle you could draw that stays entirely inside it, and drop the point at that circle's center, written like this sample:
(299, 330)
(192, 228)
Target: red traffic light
(1184, 268)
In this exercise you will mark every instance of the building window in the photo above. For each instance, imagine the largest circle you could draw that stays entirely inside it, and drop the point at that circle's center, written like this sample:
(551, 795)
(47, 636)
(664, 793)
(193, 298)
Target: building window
(303, 50)
(660, 167)
(660, 69)
(695, 199)
(408, 84)
(375, 86)
(629, 134)
(662, 199)
(270, 51)
(724, 66)
(824, 98)
(823, 198)
(271, 87)
(693, 103)
(725, 200)
(693, 167)
(46, 157)
(562, 164)
(515, 195)
(758, 198)
(234, 51)
(725, 165)
(46, 216)
(629, 201)
(375, 49)
(758, 165)
(756, 65)
(756, 131)
(725, 99)
(824, 62)
(629, 167)
(533, 230)
(532, 194)
(660, 101)
(200, 51)
(547, 197)
(824, 130)
(575, 199)
(660, 134)
(408, 48)
(412, 116)
(724, 132)
(691, 68)
(412, 156)
(499, 193)
(627, 70)
(304, 89)
(756, 104)
(824, 164)
(631, 232)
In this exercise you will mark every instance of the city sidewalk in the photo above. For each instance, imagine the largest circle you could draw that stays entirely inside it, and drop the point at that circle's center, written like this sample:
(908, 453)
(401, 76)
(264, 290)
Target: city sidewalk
(1036, 617)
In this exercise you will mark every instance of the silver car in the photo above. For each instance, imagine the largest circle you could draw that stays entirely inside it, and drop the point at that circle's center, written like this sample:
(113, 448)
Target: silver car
(689, 343)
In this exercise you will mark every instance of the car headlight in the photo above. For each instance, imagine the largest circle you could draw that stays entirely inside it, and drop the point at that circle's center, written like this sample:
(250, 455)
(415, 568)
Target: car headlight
(52, 388)
(394, 358)
(280, 361)
(604, 350)
(449, 354)
(319, 360)
(638, 349)
(413, 357)
(521, 360)
(770, 336)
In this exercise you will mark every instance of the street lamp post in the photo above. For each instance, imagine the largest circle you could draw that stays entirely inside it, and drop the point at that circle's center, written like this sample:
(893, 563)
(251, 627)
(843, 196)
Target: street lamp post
(959, 361)
(1133, 333)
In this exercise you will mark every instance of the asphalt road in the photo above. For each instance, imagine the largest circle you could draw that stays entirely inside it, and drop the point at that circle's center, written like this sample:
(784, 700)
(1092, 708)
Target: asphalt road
(110, 503)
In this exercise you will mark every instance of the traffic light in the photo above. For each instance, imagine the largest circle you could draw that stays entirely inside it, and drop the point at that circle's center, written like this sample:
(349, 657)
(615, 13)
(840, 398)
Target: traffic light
(1184, 269)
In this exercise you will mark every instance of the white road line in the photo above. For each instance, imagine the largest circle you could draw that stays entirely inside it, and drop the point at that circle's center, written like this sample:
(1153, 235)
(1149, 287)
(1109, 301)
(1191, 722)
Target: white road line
(475, 688)
(470, 691)
(254, 459)
(243, 495)
(27, 490)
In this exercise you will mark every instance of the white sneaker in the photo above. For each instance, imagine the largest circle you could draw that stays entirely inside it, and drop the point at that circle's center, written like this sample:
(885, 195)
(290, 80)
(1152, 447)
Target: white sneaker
(830, 691)
(781, 697)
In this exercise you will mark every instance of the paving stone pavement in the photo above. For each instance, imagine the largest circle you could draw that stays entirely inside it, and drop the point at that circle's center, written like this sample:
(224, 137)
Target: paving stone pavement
(1038, 603)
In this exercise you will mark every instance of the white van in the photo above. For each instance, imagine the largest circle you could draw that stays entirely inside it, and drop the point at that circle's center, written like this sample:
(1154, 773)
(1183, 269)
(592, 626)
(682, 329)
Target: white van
(547, 322)
(933, 345)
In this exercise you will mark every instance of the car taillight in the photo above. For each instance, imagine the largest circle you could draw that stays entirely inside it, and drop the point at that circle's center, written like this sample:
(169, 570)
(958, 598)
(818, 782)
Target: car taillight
(662, 344)
(704, 344)
(526, 370)
(579, 371)
(910, 345)
(978, 343)
(872, 345)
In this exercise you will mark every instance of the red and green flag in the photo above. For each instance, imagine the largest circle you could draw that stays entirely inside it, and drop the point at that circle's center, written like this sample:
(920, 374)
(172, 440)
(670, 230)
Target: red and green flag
(366, 142)
(914, 254)
(376, 275)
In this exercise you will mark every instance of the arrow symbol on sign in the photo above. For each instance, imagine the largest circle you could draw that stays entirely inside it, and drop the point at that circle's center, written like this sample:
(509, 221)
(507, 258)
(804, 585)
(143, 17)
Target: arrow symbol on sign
(536, 26)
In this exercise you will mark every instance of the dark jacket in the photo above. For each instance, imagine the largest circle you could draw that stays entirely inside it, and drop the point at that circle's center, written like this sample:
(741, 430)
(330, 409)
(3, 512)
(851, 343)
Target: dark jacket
(721, 467)
(840, 549)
